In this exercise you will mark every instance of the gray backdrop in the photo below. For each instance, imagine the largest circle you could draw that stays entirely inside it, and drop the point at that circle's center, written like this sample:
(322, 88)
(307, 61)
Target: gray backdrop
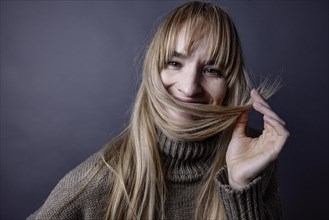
(69, 74)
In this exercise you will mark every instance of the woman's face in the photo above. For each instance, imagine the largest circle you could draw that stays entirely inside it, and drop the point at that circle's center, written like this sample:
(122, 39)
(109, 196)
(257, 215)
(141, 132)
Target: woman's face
(190, 79)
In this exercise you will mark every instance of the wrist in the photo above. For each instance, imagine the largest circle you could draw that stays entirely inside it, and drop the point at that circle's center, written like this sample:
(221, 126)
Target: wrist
(237, 183)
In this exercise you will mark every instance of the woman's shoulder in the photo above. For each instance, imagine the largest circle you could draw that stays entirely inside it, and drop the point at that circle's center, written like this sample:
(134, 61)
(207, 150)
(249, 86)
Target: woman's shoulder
(77, 191)
(81, 172)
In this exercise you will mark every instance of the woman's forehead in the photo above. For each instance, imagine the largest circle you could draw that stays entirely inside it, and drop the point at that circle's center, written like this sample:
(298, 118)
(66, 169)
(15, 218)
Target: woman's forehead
(185, 43)
(184, 46)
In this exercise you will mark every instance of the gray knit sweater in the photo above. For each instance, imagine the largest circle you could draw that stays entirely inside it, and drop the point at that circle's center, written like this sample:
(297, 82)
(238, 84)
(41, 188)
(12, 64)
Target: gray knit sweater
(185, 164)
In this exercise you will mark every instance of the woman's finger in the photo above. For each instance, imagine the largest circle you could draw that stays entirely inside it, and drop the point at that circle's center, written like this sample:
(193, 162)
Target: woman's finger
(258, 98)
(276, 126)
(267, 111)
(240, 127)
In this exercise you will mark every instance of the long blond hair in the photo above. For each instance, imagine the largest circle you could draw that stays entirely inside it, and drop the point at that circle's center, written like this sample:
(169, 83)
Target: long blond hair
(137, 186)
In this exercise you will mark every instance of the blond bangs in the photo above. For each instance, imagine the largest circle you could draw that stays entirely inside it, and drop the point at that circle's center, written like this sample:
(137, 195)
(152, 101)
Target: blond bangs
(209, 23)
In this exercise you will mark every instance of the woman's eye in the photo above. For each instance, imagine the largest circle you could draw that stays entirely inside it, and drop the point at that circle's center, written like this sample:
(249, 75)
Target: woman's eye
(213, 72)
(174, 64)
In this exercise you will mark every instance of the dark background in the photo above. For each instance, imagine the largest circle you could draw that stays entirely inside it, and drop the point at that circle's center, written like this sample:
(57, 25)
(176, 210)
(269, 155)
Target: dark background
(69, 74)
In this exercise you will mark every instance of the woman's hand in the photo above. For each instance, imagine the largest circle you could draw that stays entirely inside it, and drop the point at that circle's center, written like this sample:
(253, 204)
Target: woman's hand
(247, 157)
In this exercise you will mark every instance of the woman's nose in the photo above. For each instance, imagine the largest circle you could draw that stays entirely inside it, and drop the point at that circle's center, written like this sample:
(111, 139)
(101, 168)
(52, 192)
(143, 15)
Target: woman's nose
(190, 85)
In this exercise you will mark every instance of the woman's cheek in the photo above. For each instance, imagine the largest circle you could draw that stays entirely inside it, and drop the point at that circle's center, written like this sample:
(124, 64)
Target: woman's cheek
(165, 78)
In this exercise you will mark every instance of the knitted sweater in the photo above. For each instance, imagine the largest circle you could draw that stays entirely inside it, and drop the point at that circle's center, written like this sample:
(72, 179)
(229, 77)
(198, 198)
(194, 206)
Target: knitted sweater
(185, 164)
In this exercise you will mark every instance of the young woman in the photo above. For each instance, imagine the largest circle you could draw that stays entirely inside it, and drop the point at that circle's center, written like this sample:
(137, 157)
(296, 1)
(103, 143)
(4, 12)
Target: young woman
(187, 152)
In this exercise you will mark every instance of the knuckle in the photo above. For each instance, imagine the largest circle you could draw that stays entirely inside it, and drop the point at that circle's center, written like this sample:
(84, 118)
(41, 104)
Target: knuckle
(285, 134)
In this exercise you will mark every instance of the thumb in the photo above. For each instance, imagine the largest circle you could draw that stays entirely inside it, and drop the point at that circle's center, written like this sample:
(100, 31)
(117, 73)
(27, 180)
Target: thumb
(240, 127)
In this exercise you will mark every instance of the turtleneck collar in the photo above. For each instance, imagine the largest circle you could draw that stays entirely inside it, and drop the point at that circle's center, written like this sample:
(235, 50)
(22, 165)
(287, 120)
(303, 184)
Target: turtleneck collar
(186, 161)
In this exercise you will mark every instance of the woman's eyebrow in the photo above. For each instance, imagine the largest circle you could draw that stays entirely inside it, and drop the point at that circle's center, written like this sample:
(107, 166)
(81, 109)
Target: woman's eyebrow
(211, 62)
(184, 56)
(179, 55)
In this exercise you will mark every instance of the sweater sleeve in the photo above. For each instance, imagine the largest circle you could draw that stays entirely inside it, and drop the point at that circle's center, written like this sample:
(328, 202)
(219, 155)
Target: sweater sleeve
(67, 201)
(259, 200)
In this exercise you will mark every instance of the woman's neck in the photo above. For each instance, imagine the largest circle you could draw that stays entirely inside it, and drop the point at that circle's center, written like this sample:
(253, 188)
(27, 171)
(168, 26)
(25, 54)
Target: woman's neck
(186, 161)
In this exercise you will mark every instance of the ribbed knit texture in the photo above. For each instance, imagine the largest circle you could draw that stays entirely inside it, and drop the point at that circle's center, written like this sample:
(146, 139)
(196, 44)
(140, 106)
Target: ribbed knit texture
(185, 162)
(185, 165)
(259, 200)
